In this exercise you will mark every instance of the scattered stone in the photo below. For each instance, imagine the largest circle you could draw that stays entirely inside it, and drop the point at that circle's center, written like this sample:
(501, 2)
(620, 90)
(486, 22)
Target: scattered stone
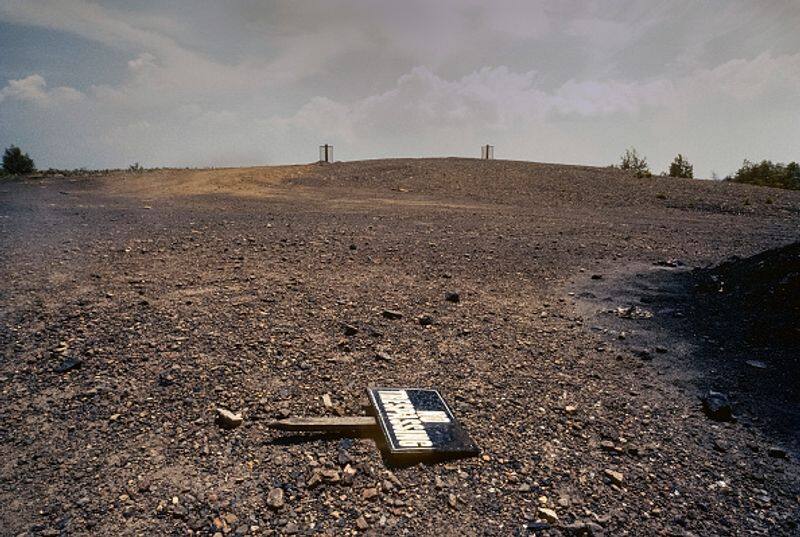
(720, 445)
(68, 365)
(165, 379)
(608, 445)
(369, 494)
(583, 529)
(331, 475)
(452, 500)
(597, 276)
(275, 498)
(361, 523)
(349, 329)
(452, 297)
(757, 364)
(381, 355)
(717, 407)
(570, 409)
(314, 480)
(547, 514)
(391, 314)
(348, 472)
(343, 453)
(634, 312)
(227, 419)
(672, 263)
(425, 320)
(326, 400)
(616, 477)
(777, 452)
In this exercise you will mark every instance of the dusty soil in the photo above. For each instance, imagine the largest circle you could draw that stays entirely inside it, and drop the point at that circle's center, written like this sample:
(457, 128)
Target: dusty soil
(133, 305)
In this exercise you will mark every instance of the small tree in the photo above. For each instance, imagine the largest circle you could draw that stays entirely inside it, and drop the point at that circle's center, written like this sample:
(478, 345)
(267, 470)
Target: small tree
(768, 173)
(681, 167)
(632, 161)
(16, 162)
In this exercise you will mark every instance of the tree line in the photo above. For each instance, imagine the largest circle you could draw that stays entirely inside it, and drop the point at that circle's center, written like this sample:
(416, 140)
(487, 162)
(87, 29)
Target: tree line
(764, 173)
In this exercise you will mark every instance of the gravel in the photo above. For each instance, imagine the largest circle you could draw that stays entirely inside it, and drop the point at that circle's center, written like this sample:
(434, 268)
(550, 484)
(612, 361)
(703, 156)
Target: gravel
(238, 289)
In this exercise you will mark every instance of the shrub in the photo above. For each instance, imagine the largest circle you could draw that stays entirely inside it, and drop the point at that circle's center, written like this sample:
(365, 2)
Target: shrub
(15, 162)
(631, 160)
(681, 167)
(768, 173)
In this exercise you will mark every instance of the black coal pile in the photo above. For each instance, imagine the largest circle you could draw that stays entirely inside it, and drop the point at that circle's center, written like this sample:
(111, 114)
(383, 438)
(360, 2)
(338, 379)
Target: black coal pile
(761, 292)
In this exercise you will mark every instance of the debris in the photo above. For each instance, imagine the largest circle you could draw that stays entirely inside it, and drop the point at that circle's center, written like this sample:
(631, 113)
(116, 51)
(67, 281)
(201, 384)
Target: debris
(717, 407)
(634, 312)
(275, 498)
(671, 262)
(547, 514)
(349, 329)
(381, 355)
(227, 419)
(425, 320)
(777, 452)
(68, 365)
(616, 477)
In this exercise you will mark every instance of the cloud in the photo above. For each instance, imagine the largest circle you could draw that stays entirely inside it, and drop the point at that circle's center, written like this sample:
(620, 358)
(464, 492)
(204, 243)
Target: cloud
(33, 89)
(246, 82)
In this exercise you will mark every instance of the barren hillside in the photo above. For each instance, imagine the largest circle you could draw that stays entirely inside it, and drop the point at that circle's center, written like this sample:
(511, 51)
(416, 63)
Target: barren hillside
(133, 305)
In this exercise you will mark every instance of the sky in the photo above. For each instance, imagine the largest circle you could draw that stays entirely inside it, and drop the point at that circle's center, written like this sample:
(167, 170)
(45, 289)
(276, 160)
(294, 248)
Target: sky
(208, 83)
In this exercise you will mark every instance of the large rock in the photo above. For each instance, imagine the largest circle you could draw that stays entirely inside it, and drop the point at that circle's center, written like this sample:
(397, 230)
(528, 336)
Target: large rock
(717, 407)
(227, 419)
(275, 498)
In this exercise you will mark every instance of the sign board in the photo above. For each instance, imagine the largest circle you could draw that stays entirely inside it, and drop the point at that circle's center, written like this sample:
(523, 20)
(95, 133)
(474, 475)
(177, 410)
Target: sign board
(419, 422)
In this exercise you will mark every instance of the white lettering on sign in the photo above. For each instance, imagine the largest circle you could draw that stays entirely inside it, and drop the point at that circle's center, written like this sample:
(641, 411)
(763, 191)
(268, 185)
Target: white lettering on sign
(408, 424)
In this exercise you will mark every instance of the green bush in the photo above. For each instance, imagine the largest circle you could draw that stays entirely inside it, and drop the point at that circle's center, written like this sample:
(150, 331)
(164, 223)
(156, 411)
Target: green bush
(681, 167)
(15, 162)
(631, 160)
(768, 173)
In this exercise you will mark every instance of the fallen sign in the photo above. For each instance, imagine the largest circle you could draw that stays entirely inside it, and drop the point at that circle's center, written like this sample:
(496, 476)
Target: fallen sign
(414, 424)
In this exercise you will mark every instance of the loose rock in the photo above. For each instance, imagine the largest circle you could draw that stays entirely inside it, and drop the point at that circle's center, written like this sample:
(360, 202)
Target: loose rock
(227, 419)
(717, 407)
(547, 514)
(275, 498)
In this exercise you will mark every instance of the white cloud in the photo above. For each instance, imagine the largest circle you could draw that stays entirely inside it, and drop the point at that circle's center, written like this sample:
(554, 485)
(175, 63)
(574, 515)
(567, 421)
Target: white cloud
(33, 89)
(552, 80)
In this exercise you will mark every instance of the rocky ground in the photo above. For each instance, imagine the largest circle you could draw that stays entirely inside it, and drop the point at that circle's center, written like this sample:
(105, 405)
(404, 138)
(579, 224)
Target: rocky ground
(132, 306)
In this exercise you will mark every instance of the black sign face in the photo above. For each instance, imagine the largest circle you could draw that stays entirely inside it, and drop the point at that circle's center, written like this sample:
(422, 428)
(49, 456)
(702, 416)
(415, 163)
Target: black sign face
(417, 421)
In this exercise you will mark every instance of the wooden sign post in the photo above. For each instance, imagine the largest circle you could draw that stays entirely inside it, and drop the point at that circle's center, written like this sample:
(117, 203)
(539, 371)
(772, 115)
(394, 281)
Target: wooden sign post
(412, 423)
